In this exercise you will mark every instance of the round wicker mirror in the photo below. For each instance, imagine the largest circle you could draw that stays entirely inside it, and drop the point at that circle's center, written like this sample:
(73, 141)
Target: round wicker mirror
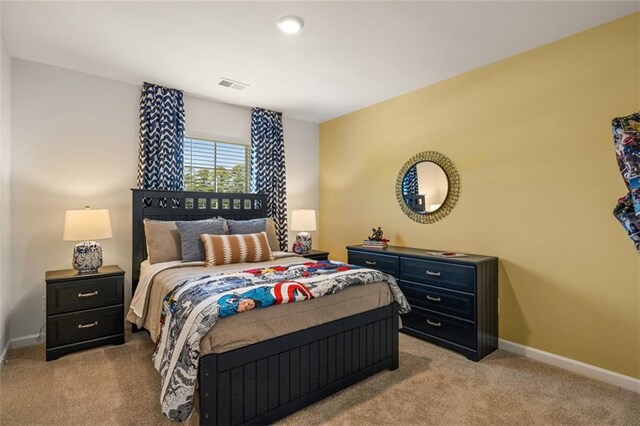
(427, 187)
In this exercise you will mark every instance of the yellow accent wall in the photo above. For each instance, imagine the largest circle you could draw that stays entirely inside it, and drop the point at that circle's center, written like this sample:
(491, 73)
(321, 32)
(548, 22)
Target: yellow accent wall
(531, 138)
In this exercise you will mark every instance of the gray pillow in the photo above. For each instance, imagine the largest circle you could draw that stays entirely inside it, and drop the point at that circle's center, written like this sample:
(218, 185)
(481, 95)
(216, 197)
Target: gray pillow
(255, 226)
(190, 231)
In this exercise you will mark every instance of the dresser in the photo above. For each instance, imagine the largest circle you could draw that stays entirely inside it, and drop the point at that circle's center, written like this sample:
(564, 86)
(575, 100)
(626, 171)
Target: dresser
(84, 310)
(454, 301)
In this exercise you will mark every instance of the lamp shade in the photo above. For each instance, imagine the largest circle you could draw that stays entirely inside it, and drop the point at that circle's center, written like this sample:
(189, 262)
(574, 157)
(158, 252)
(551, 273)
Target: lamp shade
(87, 224)
(303, 220)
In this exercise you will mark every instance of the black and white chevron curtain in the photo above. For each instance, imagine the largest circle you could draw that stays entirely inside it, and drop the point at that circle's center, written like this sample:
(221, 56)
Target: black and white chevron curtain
(162, 121)
(268, 172)
(410, 181)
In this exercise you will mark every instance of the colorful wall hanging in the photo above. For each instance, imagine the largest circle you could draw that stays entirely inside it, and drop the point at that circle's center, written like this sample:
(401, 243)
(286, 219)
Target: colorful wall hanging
(626, 139)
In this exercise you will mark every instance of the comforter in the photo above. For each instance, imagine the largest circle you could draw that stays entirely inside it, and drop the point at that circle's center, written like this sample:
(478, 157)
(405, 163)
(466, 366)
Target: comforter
(192, 308)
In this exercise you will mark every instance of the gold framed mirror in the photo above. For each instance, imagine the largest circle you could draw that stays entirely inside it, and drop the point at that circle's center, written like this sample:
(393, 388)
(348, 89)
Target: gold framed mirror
(428, 187)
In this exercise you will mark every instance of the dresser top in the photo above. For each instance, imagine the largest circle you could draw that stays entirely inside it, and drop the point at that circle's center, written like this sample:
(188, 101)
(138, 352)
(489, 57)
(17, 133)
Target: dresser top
(423, 254)
(72, 274)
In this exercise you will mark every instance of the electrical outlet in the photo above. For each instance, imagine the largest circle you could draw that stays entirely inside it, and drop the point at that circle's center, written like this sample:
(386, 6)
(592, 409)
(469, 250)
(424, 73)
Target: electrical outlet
(44, 303)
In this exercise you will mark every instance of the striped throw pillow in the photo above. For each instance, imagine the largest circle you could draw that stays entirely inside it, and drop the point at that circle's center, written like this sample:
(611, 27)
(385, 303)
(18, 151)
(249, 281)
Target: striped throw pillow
(237, 248)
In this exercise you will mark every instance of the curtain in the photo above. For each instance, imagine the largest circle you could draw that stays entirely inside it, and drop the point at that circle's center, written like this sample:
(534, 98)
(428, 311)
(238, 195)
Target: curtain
(162, 120)
(268, 173)
(410, 182)
(626, 138)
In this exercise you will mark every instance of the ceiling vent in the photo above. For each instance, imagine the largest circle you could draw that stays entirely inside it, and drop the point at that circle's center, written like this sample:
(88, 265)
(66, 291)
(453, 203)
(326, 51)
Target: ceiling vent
(232, 84)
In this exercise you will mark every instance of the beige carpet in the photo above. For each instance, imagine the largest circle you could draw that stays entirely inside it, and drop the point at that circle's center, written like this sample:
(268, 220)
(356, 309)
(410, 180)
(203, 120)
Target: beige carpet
(117, 385)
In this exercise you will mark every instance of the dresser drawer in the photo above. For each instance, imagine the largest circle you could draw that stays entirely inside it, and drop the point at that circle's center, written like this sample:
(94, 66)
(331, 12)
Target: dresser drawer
(447, 275)
(381, 262)
(79, 326)
(438, 299)
(70, 296)
(452, 329)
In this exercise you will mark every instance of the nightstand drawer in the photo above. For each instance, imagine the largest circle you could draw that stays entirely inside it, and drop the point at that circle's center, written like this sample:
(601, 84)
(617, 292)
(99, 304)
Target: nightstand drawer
(70, 296)
(452, 329)
(440, 300)
(80, 326)
(446, 275)
(381, 262)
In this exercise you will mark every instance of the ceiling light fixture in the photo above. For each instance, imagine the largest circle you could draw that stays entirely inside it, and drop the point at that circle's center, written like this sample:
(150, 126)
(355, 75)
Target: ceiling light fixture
(290, 24)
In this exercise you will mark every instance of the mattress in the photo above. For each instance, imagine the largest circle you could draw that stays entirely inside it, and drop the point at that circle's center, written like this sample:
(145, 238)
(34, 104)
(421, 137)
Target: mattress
(256, 325)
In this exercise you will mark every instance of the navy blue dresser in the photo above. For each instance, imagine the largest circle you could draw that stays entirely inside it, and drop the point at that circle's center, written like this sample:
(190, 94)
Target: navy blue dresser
(454, 301)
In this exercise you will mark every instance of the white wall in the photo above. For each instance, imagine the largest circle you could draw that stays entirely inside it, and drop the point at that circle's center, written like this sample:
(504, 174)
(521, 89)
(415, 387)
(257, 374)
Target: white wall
(75, 142)
(5, 193)
(302, 153)
(216, 121)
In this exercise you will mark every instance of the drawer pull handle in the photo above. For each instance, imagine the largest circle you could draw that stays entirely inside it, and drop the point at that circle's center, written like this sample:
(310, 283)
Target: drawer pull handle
(434, 324)
(368, 262)
(88, 325)
(433, 274)
(95, 293)
(433, 299)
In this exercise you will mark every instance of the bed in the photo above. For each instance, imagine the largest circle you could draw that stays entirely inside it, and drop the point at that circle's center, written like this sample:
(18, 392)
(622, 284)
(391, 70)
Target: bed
(258, 381)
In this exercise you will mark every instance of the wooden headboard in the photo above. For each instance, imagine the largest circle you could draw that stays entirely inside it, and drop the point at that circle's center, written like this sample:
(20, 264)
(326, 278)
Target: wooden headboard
(186, 205)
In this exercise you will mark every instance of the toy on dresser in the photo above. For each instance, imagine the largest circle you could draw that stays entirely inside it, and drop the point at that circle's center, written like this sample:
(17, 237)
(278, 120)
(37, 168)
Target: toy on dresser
(376, 240)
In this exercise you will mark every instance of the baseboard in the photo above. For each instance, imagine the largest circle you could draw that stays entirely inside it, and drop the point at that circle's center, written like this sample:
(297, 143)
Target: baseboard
(3, 355)
(19, 342)
(577, 367)
(30, 340)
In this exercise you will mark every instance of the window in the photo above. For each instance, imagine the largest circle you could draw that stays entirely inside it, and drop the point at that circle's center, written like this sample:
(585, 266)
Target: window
(216, 166)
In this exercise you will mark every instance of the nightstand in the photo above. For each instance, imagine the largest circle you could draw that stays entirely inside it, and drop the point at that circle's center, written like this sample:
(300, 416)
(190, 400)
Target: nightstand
(84, 310)
(317, 255)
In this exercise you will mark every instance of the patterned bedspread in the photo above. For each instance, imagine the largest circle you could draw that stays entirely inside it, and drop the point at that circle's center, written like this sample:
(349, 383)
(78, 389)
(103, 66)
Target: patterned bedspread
(193, 307)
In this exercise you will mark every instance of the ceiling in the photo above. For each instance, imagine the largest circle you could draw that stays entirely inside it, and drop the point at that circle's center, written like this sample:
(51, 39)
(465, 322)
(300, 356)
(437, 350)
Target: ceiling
(349, 54)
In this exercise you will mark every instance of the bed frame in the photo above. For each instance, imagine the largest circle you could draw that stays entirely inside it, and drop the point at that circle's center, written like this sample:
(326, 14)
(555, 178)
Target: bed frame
(266, 381)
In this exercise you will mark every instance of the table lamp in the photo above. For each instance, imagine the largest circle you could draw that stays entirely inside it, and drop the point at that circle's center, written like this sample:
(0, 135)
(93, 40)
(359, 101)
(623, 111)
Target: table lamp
(87, 225)
(303, 220)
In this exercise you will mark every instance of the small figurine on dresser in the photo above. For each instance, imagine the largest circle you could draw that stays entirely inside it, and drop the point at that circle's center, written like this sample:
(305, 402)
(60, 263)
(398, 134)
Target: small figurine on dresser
(376, 240)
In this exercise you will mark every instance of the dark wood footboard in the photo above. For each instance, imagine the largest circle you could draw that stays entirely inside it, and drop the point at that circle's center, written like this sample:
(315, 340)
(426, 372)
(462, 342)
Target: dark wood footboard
(267, 381)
